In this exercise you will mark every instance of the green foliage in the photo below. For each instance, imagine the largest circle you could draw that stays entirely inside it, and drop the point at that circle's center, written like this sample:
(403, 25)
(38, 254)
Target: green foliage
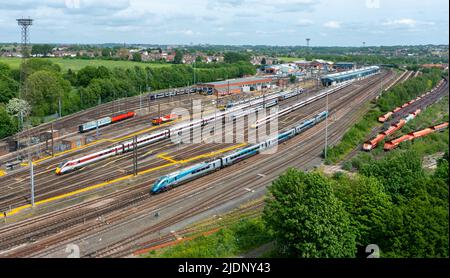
(41, 49)
(8, 86)
(398, 172)
(307, 219)
(202, 247)
(416, 229)
(408, 90)
(396, 96)
(442, 169)
(178, 59)
(292, 78)
(137, 57)
(33, 65)
(43, 89)
(7, 125)
(86, 74)
(234, 57)
(367, 202)
(352, 137)
(227, 242)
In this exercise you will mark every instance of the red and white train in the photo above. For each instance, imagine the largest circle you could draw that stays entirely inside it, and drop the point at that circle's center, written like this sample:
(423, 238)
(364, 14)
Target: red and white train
(71, 165)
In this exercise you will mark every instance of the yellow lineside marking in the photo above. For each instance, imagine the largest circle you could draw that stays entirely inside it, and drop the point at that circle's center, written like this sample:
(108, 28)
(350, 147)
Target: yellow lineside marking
(92, 187)
(100, 141)
(163, 156)
(2, 173)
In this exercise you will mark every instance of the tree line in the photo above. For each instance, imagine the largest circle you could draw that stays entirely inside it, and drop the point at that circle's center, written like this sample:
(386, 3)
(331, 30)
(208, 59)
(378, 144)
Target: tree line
(45, 85)
(392, 202)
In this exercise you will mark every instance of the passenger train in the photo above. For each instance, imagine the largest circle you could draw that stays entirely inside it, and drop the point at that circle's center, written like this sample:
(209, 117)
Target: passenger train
(171, 93)
(176, 178)
(69, 166)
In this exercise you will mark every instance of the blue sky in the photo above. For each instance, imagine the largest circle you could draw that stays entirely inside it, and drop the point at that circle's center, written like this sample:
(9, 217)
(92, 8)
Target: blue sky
(271, 22)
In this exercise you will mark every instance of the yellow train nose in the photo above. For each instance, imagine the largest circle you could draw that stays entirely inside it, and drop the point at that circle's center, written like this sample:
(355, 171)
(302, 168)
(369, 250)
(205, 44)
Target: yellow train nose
(58, 171)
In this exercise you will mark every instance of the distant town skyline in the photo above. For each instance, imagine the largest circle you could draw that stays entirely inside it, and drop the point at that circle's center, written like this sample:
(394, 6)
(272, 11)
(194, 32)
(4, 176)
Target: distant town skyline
(230, 22)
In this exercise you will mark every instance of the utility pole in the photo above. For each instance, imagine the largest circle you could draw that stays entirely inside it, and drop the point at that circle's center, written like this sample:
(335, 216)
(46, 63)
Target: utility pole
(59, 105)
(326, 130)
(364, 46)
(52, 142)
(149, 97)
(96, 128)
(140, 97)
(30, 161)
(135, 156)
(194, 72)
(24, 24)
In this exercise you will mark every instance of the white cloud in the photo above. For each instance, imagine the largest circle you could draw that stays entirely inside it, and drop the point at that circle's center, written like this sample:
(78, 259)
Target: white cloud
(304, 22)
(284, 22)
(406, 22)
(332, 24)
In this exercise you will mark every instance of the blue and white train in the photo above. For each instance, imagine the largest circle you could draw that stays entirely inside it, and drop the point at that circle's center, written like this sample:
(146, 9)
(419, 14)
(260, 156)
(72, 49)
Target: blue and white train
(190, 173)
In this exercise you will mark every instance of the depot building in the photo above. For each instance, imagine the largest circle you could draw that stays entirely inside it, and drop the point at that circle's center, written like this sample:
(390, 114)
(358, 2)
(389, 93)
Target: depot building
(235, 86)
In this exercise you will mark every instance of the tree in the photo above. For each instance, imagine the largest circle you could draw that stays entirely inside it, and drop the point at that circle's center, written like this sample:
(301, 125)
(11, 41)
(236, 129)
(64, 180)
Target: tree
(4, 69)
(234, 57)
(106, 52)
(292, 78)
(42, 90)
(41, 49)
(416, 229)
(15, 106)
(404, 168)
(263, 61)
(198, 59)
(7, 125)
(35, 64)
(137, 57)
(71, 76)
(86, 74)
(364, 198)
(306, 218)
(8, 88)
(178, 57)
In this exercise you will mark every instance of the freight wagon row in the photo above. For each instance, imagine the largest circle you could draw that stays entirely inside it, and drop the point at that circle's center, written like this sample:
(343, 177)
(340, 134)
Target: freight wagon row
(414, 135)
(104, 121)
(371, 144)
(386, 116)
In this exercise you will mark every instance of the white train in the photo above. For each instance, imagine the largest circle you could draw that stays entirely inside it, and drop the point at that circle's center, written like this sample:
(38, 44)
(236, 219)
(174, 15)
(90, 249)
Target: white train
(71, 165)
(193, 172)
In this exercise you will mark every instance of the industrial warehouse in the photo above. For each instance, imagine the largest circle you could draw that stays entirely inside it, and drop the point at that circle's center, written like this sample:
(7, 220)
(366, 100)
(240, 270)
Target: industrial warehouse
(332, 79)
(235, 86)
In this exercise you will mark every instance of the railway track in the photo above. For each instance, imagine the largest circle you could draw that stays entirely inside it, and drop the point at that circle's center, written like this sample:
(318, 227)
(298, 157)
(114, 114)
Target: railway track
(120, 248)
(48, 185)
(420, 104)
(188, 188)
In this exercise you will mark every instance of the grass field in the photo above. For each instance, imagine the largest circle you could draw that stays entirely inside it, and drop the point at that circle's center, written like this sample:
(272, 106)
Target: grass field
(290, 59)
(77, 64)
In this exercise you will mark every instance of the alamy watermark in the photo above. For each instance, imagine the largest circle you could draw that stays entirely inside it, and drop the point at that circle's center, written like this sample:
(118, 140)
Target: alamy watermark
(373, 4)
(72, 251)
(72, 4)
(373, 250)
(232, 127)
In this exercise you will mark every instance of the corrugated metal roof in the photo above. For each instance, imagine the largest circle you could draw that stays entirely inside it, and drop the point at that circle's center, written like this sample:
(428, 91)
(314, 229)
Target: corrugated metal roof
(237, 80)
